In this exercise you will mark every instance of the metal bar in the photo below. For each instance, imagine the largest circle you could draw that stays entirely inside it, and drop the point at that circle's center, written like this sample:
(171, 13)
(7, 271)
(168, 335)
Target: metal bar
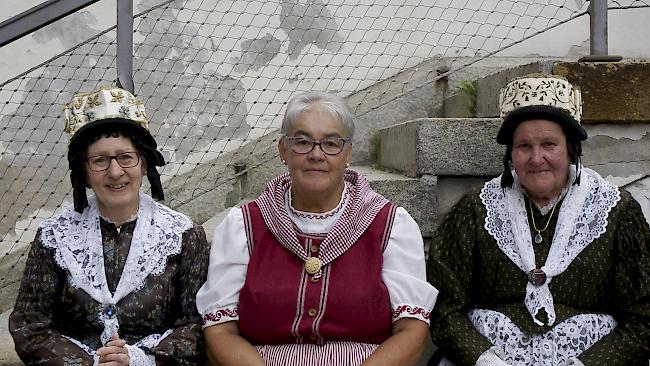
(38, 17)
(598, 27)
(125, 45)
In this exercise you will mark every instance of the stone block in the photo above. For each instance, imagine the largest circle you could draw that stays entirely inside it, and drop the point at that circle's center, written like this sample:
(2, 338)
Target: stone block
(459, 105)
(416, 195)
(442, 146)
(452, 188)
(617, 150)
(488, 87)
(612, 92)
(12, 266)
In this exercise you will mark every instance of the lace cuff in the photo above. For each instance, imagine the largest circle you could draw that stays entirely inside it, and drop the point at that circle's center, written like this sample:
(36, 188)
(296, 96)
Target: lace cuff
(137, 357)
(491, 357)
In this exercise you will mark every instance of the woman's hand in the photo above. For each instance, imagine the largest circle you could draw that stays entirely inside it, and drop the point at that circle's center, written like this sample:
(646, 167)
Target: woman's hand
(114, 353)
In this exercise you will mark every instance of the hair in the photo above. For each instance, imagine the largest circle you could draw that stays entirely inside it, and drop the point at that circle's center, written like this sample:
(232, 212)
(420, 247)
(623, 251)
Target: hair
(331, 103)
(574, 147)
(77, 159)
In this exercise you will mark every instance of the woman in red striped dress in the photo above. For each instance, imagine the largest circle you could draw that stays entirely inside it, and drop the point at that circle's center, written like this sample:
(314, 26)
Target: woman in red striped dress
(320, 269)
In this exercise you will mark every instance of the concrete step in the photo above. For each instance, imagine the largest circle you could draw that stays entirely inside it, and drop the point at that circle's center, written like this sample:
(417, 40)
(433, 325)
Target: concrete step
(416, 195)
(442, 146)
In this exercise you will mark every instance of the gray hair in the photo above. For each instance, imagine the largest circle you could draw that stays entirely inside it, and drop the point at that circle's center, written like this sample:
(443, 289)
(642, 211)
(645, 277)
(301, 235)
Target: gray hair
(332, 103)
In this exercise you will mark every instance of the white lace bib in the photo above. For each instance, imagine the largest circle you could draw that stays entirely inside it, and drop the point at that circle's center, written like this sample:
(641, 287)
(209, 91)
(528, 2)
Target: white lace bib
(581, 220)
(77, 242)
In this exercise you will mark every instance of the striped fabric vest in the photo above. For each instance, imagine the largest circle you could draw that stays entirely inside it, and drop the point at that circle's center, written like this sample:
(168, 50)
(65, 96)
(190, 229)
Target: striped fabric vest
(281, 304)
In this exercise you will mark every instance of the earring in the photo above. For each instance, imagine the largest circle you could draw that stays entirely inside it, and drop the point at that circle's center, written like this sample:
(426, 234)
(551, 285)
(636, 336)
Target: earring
(284, 162)
(347, 165)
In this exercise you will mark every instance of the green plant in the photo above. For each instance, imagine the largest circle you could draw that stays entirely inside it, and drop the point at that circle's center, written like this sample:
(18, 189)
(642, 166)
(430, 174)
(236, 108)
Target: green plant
(468, 88)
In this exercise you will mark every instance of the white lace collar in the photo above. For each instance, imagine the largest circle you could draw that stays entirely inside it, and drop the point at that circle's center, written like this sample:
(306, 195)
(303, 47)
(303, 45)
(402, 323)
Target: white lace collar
(316, 223)
(582, 219)
(77, 242)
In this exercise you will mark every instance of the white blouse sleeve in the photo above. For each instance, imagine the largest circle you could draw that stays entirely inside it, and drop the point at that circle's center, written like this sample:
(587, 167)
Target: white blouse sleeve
(218, 299)
(404, 271)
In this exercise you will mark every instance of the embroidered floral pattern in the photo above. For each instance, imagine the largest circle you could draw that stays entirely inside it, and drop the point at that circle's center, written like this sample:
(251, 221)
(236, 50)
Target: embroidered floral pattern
(216, 317)
(412, 311)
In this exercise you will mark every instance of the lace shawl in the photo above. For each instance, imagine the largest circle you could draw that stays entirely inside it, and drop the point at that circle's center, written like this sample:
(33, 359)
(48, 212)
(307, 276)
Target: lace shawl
(359, 212)
(76, 239)
(581, 220)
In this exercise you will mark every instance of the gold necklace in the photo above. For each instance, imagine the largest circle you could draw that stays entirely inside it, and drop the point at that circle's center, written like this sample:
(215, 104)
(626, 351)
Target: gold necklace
(538, 236)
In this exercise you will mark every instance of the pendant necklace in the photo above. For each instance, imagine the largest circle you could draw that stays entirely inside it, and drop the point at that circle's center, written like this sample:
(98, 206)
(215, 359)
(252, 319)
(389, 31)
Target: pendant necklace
(538, 236)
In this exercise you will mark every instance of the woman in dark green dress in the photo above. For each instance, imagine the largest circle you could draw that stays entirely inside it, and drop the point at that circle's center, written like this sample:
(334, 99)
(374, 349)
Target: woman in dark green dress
(548, 264)
(112, 279)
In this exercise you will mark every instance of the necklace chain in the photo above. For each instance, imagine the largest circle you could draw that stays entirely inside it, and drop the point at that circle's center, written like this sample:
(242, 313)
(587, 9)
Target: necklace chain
(538, 236)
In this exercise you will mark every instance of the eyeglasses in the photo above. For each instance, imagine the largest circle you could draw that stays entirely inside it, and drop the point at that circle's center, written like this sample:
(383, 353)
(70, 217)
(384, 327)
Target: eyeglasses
(330, 146)
(100, 163)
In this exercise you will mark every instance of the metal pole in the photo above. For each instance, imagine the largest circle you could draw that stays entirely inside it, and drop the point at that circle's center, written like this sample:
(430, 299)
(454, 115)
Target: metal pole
(598, 51)
(125, 45)
(38, 17)
(598, 27)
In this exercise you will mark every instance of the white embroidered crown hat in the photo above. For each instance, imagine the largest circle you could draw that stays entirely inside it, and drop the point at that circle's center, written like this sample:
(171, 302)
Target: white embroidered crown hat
(106, 105)
(540, 96)
(109, 109)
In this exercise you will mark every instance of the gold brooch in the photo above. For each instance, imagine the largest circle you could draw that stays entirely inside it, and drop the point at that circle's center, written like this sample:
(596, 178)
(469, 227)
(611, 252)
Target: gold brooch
(312, 265)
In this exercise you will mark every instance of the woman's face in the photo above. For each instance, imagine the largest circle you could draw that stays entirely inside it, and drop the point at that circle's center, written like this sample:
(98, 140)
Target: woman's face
(541, 159)
(316, 174)
(116, 188)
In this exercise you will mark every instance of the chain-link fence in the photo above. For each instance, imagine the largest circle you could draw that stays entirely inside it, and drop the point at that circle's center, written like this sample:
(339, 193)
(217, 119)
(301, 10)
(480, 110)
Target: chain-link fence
(216, 75)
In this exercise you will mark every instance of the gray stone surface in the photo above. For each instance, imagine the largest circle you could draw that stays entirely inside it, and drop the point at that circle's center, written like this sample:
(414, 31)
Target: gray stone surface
(618, 150)
(8, 356)
(11, 269)
(416, 195)
(452, 188)
(487, 96)
(612, 92)
(459, 105)
(442, 146)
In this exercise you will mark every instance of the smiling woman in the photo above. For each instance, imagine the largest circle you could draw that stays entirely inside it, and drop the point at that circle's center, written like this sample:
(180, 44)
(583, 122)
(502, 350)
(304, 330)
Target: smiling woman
(114, 277)
(320, 269)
